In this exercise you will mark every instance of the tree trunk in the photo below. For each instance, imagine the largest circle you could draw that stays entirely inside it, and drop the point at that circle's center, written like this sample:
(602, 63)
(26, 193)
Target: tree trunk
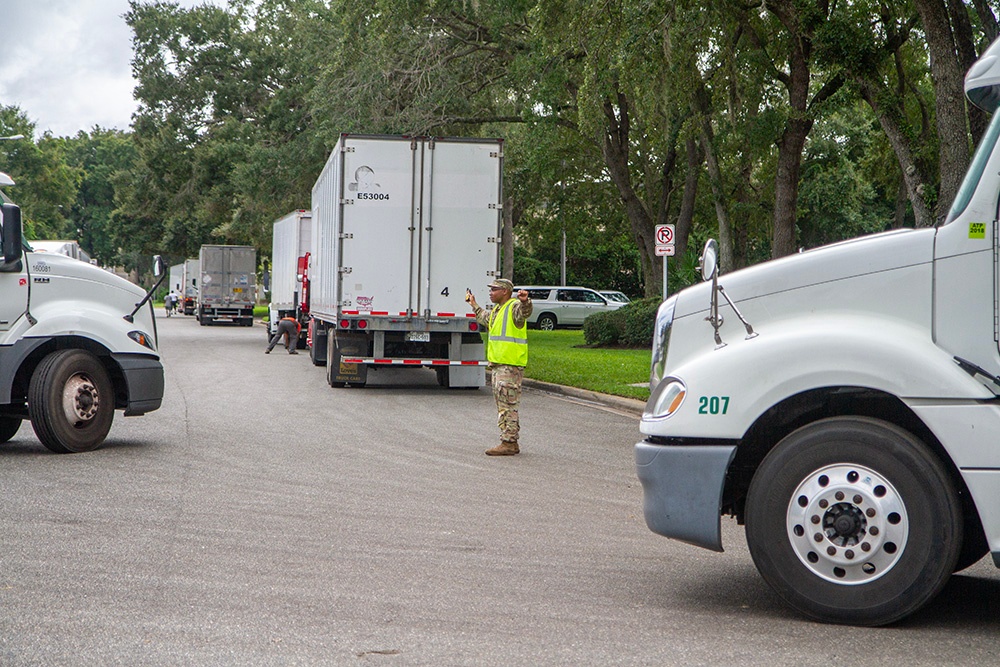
(793, 136)
(899, 218)
(948, 75)
(786, 185)
(913, 177)
(718, 196)
(615, 149)
(686, 215)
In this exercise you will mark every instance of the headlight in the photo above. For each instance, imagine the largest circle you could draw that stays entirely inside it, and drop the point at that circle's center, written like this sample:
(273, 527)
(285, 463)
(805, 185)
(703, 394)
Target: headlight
(142, 338)
(666, 400)
(661, 338)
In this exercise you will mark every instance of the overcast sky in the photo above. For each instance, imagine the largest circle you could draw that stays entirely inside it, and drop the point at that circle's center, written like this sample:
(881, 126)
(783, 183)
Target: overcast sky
(66, 63)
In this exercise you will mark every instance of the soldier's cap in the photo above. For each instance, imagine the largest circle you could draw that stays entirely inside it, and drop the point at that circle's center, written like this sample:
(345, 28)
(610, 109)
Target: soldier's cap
(502, 283)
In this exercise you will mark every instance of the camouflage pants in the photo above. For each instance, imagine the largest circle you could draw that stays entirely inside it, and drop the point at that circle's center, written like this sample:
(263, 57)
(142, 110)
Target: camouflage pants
(507, 392)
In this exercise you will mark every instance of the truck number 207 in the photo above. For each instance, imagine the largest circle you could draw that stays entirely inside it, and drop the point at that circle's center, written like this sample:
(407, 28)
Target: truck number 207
(713, 405)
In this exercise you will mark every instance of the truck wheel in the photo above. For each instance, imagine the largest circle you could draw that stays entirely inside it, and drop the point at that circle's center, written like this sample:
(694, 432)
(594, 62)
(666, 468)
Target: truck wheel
(853, 520)
(8, 428)
(547, 322)
(71, 401)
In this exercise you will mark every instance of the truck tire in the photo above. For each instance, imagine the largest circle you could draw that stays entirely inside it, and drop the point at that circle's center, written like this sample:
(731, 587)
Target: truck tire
(71, 401)
(546, 322)
(854, 520)
(8, 428)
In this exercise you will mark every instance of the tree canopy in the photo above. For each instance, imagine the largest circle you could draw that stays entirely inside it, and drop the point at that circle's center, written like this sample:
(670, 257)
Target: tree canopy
(770, 125)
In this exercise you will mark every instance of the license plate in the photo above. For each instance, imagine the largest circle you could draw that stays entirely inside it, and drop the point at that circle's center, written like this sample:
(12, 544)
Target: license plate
(237, 290)
(418, 336)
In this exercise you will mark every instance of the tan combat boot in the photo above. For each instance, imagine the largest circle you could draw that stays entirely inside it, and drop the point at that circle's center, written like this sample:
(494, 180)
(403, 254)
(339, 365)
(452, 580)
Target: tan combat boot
(505, 448)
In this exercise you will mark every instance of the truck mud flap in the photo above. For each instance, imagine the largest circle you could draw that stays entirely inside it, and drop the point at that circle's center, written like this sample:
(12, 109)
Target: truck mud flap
(339, 373)
(318, 336)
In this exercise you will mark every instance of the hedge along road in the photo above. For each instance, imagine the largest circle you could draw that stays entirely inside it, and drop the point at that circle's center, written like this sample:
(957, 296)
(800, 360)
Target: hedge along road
(261, 517)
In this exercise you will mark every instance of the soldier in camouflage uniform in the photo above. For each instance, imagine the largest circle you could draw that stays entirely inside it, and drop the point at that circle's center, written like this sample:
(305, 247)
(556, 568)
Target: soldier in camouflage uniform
(507, 353)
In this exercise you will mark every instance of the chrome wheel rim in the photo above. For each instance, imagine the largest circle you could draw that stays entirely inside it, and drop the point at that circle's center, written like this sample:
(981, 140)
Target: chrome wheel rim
(847, 524)
(80, 400)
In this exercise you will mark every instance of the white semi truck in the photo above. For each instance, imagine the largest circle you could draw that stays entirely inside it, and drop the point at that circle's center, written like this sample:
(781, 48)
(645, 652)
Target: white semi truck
(291, 241)
(401, 227)
(76, 343)
(228, 288)
(843, 403)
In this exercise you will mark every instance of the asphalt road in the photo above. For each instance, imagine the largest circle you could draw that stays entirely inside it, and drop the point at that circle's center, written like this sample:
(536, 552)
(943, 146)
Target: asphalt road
(262, 518)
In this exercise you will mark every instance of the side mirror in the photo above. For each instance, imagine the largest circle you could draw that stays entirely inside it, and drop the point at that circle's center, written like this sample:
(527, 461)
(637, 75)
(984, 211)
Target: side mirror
(11, 235)
(157, 265)
(710, 260)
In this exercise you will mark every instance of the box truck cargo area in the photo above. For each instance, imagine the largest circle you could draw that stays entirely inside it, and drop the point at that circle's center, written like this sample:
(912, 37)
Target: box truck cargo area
(401, 227)
(291, 241)
(228, 284)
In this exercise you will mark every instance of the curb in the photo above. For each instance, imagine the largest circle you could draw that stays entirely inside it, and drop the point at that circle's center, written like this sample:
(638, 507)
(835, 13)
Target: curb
(630, 405)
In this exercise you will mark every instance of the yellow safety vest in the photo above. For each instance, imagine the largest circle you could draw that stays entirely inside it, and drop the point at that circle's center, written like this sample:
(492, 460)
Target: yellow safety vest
(508, 342)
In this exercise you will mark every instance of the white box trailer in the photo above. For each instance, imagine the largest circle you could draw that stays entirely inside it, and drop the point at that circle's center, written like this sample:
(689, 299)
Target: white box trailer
(228, 284)
(401, 227)
(176, 278)
(291, 241)
(189, 300)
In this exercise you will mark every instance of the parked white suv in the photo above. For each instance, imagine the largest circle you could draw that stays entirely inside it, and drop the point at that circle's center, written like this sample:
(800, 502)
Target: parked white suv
(564, 306)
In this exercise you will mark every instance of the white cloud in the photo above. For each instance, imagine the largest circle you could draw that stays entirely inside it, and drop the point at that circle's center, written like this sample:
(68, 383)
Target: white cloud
(67, 63)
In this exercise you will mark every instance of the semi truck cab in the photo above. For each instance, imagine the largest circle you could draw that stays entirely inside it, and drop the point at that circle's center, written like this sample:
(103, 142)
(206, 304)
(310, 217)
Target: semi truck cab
(844, 404)
(76, 344)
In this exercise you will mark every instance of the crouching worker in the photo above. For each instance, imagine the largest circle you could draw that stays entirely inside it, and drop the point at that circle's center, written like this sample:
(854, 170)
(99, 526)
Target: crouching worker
(287, 326)
(507, 354)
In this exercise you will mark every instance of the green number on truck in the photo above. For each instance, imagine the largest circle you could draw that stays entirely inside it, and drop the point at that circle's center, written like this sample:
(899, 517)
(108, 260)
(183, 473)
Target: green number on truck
(713, 405)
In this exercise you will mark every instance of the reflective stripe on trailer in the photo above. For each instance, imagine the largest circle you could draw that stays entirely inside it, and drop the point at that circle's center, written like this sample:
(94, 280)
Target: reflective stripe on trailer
(402, 313)
(409, 362)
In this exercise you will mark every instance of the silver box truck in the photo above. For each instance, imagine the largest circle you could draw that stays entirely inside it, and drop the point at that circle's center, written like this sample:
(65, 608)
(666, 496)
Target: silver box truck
(291, 241)
(228, 284)
(401, 227)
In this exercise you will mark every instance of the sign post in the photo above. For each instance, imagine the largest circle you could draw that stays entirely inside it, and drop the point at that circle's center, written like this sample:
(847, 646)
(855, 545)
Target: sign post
(664, 249)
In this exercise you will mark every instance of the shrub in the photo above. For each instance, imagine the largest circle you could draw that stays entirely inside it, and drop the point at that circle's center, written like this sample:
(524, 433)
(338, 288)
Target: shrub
(604, 328)
(630, 326)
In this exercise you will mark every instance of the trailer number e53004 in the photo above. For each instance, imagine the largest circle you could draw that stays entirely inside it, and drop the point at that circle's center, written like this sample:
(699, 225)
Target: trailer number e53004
(713, 405)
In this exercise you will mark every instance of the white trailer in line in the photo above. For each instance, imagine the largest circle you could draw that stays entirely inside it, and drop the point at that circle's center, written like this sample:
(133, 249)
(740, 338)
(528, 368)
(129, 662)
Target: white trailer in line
(401, 227)
(291, 241)
(176, 278)
(189, 300)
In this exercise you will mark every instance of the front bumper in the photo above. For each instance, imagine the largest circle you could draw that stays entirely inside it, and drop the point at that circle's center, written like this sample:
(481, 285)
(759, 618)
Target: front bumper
(143, 381)
(682, 490)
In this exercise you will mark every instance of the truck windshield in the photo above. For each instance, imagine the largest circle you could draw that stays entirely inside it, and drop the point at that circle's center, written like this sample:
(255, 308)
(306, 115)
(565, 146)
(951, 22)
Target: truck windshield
(975, 172)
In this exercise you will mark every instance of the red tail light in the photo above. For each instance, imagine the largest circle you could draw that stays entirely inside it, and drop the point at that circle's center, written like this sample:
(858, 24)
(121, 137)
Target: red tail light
(473, 326)
(362, 324)
(345, 324)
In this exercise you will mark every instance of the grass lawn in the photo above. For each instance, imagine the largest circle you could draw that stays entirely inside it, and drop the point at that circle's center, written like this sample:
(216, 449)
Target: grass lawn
(558, 357)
